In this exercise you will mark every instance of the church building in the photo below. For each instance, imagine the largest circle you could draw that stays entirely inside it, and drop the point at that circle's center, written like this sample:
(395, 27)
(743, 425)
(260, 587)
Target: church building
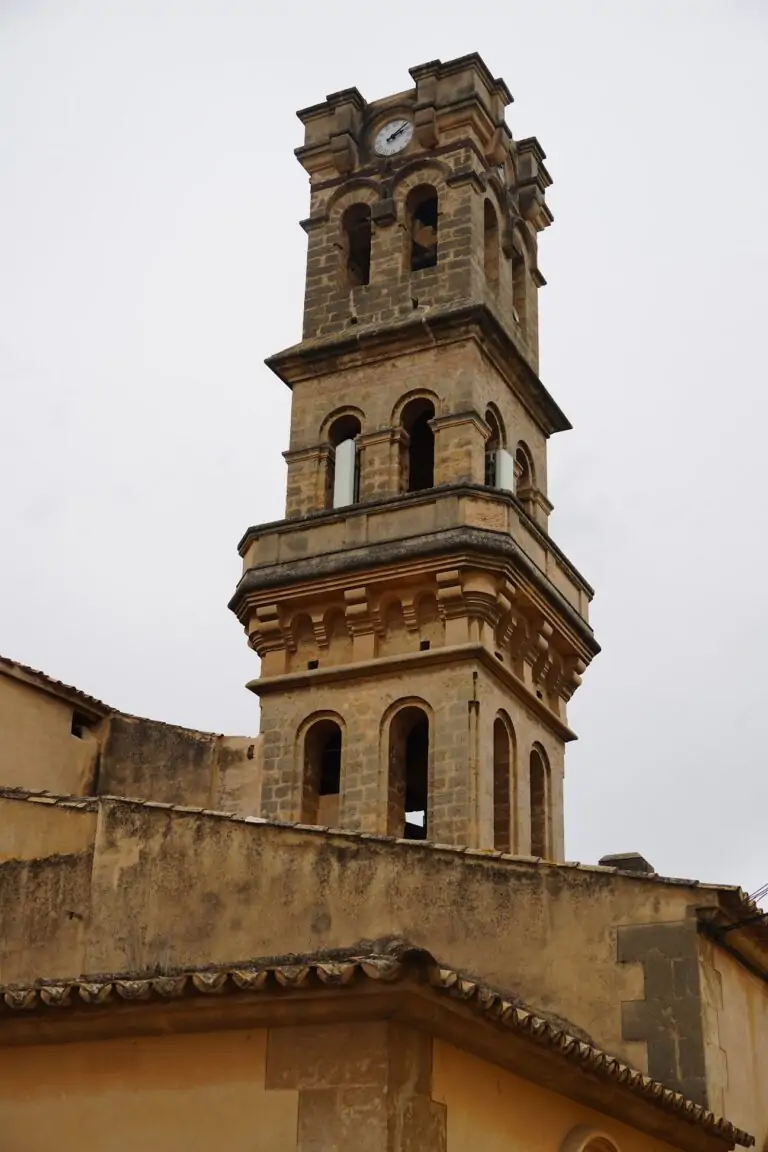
(358, 931)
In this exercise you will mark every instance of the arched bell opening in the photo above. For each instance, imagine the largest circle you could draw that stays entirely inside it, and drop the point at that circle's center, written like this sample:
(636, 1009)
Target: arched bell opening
(322, 773)
(422, 224)
(418, 455)
(342, 479)
(409, 739)
(356, 245)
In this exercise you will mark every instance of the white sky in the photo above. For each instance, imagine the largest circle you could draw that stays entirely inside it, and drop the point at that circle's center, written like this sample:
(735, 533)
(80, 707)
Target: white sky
(150, 258)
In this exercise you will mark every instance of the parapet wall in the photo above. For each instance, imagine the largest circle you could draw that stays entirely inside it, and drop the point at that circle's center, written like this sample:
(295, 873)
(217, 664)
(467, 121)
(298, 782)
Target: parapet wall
(124, 887)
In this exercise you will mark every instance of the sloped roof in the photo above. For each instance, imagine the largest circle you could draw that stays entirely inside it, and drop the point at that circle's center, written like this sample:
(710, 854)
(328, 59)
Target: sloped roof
(50, 684)
(313, 973)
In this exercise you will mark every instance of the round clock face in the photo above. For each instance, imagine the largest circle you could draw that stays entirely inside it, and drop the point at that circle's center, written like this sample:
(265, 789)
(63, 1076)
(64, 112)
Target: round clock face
(393, 137)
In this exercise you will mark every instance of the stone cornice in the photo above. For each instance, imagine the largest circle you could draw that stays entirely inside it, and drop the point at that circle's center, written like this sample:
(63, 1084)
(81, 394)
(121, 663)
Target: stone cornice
(409, 662)
(362, 508)
(455, 546)
(547, 1042)
(320, 355)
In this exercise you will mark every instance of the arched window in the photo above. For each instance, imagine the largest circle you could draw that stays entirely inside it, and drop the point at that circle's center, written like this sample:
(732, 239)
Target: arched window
(492, 445)
(322, 773)
(585, 1139)
(521, 260)
(539, 783)
(418, 454)
(503, 840)
(342, 480)
(491, 244)
(408, 813)
(356, 231)
(525, 480)
(421, 213)
(523, 468)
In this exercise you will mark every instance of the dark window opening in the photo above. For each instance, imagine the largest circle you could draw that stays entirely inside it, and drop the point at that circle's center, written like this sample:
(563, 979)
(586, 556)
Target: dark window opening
(421, 455)
(539, 803)
(408, 814)
(311, 664)
(520, 282)
(423, 228)
(419, 459)
(491, 244)
(322, 769)
(357, 244)
(492, 446)
(80, 725)
(424, 645)
(502, 796)
(416, 780)
(330, 765)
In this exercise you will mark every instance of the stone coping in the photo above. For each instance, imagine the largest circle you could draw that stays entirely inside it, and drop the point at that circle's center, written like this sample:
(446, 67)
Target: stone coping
(739, 900)
(341, 971)
(324, 516)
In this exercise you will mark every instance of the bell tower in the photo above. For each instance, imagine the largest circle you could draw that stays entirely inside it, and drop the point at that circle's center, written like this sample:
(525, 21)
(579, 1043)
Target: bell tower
(420, 632)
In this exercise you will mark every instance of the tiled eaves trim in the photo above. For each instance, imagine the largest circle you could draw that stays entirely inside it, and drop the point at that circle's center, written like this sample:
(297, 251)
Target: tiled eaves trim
(312, 973)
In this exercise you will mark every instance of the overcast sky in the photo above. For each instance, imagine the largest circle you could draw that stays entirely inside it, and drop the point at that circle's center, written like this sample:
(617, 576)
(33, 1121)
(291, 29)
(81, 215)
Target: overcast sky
(151, 258)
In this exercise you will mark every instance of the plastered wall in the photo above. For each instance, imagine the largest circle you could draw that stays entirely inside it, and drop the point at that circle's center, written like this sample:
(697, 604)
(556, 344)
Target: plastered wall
(494, 1109)
(37, 748)
(736, 1039)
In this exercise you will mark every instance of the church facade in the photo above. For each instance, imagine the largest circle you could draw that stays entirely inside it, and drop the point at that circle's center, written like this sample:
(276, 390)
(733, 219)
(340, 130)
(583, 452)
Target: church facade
(358, 930)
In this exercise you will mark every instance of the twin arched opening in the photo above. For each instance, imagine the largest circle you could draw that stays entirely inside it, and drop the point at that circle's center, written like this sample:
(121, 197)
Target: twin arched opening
(421, 211)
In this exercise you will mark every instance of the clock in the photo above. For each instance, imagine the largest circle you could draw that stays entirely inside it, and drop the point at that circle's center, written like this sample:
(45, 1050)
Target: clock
(393, 137)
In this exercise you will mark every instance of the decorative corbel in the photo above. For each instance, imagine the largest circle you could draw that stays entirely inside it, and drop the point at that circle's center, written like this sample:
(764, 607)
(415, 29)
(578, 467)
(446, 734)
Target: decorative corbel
(540, 654)
(409, 613)
(320, 631)
(265, 630)
(450, 594)
(570, 679)
(357, 612)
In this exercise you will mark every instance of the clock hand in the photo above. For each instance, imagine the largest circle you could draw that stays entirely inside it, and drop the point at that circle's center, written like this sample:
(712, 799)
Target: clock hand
(397, 132)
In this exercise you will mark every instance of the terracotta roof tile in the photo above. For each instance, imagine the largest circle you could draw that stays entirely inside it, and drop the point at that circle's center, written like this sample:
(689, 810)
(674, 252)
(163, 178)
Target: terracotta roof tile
(56, 686)
(342, 971)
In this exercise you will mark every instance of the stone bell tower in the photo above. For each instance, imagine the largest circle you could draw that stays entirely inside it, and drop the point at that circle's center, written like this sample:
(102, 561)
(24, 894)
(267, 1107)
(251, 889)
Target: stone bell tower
(420, 633)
